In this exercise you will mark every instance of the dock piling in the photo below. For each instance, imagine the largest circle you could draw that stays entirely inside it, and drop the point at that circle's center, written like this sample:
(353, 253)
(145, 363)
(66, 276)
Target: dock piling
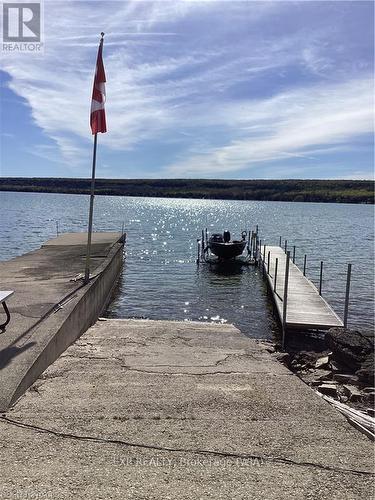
(321, 278)
(199, 250)
(304, 265)
(264, 257)
(285, 245)
(347, 293)
(268, 262)
(294, 254)
(280, 241)
(285, 298)
(57, 228)
(275, 277)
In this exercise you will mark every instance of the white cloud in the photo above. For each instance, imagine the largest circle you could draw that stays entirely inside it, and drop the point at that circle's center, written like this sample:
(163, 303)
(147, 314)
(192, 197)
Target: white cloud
(167, 84)
(291, 123)
(57, 85)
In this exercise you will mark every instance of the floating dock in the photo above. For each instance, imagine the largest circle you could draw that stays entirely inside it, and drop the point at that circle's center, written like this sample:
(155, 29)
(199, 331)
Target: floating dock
(298, 302)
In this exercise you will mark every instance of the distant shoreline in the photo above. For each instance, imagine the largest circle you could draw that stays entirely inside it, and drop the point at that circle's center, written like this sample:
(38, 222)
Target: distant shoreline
(324, 191)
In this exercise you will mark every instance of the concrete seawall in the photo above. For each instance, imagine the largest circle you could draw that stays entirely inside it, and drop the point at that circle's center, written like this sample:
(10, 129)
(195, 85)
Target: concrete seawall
(48, 310)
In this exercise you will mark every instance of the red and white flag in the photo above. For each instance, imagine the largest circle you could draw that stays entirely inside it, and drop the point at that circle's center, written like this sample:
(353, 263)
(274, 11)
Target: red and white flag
(97, 116)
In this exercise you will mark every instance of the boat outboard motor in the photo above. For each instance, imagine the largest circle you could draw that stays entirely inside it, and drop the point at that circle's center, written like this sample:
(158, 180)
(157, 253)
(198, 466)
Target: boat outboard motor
(226, 236)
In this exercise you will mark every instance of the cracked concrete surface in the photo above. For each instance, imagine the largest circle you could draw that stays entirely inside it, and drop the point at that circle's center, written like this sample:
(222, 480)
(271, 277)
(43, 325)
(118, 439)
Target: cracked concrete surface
(139, 409)
(44, 299)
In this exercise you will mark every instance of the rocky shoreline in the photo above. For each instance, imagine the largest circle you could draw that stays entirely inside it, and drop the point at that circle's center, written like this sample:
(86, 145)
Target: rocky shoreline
(342, 367)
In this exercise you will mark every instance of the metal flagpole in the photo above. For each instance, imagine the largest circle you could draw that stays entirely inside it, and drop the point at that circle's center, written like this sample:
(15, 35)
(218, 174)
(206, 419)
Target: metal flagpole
(98, 124)
(91, 213)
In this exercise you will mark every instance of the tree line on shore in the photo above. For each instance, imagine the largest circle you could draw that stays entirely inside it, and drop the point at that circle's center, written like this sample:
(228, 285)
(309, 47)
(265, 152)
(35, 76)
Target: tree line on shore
(336, 191)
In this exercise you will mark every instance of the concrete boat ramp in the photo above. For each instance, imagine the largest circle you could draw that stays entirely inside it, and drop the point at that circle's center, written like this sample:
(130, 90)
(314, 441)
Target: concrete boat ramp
(152, 409)
(155, 410)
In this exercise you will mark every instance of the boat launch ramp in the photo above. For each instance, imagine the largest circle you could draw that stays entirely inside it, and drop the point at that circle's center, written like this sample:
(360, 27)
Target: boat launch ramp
(139, 409)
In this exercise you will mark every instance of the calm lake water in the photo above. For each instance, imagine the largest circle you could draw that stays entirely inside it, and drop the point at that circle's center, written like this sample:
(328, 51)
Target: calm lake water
(161, 280)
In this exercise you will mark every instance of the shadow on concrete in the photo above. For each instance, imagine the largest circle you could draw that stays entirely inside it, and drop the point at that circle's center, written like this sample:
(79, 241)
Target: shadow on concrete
(12, 350)
(7, 354)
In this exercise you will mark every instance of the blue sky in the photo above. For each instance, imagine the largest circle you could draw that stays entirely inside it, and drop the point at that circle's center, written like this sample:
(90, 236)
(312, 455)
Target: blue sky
(213, 89)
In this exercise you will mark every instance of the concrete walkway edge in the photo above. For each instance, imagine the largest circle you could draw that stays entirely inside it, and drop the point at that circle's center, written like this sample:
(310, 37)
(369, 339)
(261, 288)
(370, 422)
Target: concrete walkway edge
(60, 328)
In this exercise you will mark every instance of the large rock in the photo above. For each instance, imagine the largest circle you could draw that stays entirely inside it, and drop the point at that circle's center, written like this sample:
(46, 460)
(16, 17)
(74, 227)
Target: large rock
(366, 373)
(305, 359)
(349, 347)
(345, 378)
(352, 392)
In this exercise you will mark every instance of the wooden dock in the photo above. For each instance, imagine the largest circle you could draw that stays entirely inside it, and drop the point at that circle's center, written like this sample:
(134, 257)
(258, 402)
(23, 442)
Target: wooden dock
(302, 307)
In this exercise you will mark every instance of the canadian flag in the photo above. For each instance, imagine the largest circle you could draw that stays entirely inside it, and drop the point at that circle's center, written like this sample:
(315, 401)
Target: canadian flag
(97, 116)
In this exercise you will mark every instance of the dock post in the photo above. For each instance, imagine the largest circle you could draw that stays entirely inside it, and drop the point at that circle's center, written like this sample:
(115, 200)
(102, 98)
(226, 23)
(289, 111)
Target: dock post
(259, 252)
(206, 233)
(264, 258)
(122, 228)
(294, 254)
(321, 277)
(285, 245)
(280, 241)
(199, 249)
(255, 246)
(202, 245)
(285, 299)
(275, 277)
(268, 262)
(57, 228)
(304, 265)
(256, 229)
(248, 242)
(346, 308)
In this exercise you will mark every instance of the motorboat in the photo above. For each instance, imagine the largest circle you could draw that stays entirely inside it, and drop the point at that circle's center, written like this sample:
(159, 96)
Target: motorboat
(221, 245)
